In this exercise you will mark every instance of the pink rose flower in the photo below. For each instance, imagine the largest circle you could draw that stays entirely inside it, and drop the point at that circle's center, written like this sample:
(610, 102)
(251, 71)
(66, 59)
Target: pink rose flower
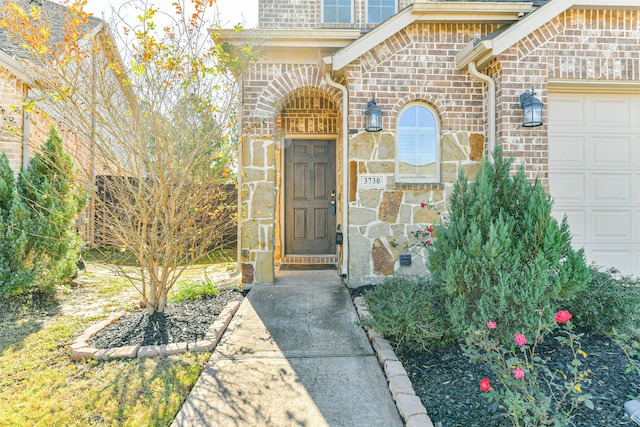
(563, 316)
(485, 384)
(491, 324)
(430, 230)
(422, 205)
(518, 373)
(520, 339)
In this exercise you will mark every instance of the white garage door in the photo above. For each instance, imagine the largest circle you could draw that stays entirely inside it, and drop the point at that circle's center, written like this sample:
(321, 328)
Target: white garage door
(594, 174)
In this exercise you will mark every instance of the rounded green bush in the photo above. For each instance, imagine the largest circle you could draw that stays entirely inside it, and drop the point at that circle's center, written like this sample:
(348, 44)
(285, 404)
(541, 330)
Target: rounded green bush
(500, 255)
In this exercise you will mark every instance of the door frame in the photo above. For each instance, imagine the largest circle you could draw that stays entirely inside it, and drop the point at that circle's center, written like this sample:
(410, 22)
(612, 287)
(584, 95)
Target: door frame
(280, 218)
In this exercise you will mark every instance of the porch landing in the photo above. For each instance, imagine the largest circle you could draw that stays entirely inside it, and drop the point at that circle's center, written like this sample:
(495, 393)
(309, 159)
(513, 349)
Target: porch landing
(308, 260)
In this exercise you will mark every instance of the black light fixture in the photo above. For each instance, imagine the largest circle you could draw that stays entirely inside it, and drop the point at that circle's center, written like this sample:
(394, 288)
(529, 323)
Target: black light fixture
(531, 109)
(373, 116)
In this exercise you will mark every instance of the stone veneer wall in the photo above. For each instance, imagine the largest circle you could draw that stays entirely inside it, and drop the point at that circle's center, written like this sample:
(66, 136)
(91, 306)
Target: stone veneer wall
(600, 46)
(259, 204)
(382, 220)
(279, 99)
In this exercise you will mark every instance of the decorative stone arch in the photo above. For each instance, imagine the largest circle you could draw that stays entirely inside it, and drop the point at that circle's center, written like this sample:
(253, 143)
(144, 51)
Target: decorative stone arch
(434, 102)
(309, 110)
(270, 101)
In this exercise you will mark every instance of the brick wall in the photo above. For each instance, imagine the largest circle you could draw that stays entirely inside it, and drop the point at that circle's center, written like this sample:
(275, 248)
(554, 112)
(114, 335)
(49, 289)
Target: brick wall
(11, 94)
(418, 63)
(308, 111)
(578, 44)
(294, 14)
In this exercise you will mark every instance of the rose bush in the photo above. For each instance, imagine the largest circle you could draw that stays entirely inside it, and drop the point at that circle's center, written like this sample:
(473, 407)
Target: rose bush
(532, 393)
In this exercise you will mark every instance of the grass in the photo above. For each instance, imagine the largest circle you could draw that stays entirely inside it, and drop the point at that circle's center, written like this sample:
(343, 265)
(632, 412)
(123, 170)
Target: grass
(41, 386)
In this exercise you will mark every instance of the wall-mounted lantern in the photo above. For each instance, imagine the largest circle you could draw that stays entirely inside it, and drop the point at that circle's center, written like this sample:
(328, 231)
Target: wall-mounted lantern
(531, 109)
(373, 116)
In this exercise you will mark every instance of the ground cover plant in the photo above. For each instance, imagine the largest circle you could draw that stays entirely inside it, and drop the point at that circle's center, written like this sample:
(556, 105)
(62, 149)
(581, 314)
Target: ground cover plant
(41, 385)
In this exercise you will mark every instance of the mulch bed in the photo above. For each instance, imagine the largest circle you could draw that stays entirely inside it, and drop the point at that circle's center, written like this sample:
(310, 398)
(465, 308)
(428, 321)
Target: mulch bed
(448, 385)
(181, 322)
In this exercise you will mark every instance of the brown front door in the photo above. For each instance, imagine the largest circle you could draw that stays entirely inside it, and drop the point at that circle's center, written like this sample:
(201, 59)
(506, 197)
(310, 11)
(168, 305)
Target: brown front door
(310, 197)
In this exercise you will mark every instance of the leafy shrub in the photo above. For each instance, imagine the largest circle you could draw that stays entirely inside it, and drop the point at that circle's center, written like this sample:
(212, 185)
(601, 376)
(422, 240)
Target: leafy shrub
(535, 391)
(609, 304)
(501, 255)
(402, 309)
(194, 291)
(40, 245)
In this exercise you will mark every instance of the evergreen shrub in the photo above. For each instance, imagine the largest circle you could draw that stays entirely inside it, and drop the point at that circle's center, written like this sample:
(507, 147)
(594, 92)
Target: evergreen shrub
(41, 245)
(501, 256)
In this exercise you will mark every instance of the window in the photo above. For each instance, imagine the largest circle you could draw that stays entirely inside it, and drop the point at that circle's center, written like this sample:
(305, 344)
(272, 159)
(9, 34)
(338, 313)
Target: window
(379, 10)
(336, 11)
(417, 155)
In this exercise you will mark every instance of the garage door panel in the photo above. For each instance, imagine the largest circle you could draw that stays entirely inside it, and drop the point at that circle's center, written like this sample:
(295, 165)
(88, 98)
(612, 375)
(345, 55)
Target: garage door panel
(621, 258)
(611, 226)
(599, 140)
(610, 152)
(567, 188)
(610, 112)
(567, 111)
(568, 151)
(610, 188)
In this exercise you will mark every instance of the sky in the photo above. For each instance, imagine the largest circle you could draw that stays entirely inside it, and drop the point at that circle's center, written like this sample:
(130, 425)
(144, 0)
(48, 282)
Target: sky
(231, 12)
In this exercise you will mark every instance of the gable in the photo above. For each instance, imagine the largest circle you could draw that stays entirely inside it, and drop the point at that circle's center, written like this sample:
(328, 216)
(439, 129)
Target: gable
(438, 12)
(541, 22)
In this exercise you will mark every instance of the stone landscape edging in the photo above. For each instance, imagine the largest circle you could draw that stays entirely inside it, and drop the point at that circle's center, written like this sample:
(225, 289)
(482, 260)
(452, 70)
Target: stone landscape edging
(81, 349)
(408, 403)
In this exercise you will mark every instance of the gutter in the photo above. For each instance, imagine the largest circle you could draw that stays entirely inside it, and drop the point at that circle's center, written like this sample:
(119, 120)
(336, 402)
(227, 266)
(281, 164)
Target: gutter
(491, 104)
(345, 172)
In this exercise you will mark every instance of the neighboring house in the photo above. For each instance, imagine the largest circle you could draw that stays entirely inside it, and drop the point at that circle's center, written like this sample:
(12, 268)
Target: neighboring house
(448, 78)
(24, 130)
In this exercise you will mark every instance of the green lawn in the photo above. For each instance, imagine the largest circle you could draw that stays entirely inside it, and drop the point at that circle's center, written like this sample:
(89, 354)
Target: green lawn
(41, 386)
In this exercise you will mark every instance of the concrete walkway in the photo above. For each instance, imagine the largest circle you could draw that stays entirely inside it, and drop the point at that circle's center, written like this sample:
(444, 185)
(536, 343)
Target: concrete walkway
(292, 356)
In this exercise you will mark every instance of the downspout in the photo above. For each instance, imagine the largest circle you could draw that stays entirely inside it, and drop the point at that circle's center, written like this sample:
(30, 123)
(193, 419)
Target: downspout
(239, 185)
(491, 101)
(345, 172)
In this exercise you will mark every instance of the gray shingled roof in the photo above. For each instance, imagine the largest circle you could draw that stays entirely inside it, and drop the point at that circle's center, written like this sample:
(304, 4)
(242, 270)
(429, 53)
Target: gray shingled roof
(54, 13)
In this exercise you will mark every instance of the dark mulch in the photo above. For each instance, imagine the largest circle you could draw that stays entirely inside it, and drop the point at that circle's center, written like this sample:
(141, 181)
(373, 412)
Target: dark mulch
(448, 385)
(181, 322)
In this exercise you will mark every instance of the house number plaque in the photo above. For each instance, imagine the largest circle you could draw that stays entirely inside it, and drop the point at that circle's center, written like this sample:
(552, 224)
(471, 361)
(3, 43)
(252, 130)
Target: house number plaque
(372, 181)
